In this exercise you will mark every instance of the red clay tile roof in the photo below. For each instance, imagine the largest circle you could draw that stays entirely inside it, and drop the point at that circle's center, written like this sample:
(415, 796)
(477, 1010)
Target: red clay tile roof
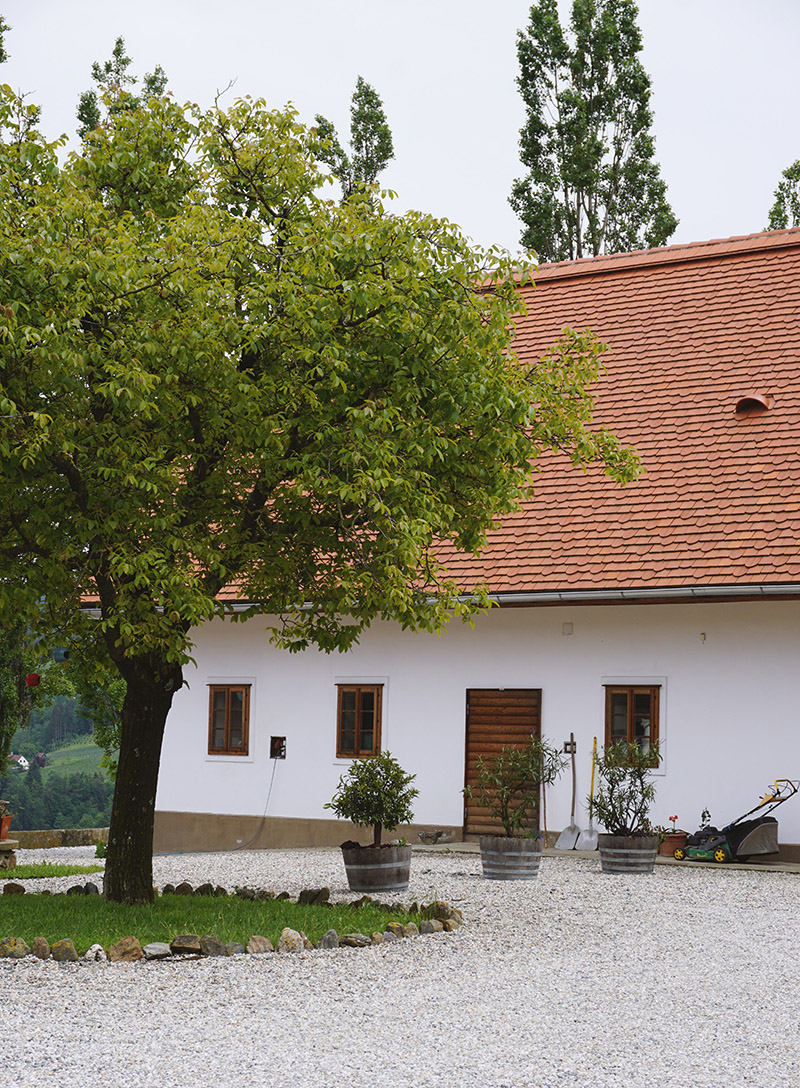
(691, 329)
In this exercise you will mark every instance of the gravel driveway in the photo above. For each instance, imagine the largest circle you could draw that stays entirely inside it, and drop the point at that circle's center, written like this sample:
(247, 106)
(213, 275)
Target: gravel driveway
(686, 978)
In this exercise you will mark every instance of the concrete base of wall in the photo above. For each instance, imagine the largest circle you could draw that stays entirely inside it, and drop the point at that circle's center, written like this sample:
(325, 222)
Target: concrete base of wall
(184, 832)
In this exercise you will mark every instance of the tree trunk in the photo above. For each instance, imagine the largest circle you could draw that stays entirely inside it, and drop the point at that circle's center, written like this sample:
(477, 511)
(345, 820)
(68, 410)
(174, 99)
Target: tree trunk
(129, 859)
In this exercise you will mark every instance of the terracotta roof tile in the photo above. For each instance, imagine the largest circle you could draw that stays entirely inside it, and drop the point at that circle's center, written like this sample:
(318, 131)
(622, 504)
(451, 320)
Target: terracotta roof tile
(690, 330)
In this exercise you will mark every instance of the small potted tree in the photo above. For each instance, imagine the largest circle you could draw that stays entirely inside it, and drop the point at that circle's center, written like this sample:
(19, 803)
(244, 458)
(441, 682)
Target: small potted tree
(509, 784)
(377, 793)
(622, 805)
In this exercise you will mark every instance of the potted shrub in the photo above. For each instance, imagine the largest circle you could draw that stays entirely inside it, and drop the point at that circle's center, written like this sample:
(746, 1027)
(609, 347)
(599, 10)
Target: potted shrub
(376, 792)
(509, 784)
(5, 819)
(671, 839)
(622, 805)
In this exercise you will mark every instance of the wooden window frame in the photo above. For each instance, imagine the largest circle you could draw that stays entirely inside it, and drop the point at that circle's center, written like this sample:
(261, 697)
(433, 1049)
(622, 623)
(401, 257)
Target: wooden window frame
(654, 691)
(358, 752)
(227, 749)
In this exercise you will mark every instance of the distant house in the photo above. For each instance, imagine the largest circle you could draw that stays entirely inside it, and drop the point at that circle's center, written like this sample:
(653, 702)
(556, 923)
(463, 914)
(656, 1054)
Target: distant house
(667, 609)
(21, 762)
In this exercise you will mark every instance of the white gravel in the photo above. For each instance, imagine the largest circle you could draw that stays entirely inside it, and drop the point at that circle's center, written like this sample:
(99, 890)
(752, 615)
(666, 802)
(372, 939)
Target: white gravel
(684, 979)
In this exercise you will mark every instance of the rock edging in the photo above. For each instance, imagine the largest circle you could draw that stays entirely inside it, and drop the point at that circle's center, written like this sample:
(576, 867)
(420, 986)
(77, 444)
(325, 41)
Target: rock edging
(446, 919)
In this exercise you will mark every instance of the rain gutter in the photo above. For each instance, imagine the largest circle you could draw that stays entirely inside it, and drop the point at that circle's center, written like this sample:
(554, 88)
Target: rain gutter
(587, 596)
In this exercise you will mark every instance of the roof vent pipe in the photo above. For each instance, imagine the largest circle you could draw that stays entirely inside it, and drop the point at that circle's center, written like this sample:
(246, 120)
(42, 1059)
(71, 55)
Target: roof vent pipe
(752, 403)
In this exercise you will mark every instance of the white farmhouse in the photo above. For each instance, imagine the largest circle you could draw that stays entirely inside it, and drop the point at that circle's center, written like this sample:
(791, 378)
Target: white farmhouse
(665, 610)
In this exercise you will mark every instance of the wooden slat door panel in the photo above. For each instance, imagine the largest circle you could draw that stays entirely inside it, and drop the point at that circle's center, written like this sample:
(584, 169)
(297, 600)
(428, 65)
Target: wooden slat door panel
(496, 718)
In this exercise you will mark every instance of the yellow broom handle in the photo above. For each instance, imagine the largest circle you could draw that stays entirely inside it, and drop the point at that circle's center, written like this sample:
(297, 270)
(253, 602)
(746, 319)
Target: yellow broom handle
(591, 791)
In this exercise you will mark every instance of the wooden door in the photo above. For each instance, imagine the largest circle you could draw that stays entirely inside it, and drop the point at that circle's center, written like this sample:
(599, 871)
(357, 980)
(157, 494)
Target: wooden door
(496, 718)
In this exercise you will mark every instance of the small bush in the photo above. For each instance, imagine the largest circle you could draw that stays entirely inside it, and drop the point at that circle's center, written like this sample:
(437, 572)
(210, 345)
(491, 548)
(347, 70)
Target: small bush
(376, 793)
(625, 794)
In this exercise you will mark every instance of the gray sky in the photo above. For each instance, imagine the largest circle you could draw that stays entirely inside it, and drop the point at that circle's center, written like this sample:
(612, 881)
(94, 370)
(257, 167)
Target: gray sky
(724, 72)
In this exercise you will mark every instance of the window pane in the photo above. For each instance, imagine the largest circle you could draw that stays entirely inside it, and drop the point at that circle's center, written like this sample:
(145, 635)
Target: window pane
(619, 716)
(367, 722)
(348, 726)
(349, 702)
(236, 710)
(642, 719)
(219, 719)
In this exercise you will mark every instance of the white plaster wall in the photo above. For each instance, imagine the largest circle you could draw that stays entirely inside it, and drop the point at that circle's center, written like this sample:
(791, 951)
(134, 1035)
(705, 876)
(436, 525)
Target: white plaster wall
(729, 719)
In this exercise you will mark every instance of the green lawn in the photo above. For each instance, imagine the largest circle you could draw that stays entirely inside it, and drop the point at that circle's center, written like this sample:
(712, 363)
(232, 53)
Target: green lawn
(81, 756)
(89, 920)
(45, 869)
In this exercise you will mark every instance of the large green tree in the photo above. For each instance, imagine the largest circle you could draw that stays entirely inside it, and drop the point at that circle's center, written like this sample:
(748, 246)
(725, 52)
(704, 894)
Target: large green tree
(213, 376)
(16, 660)
(371, 145)
(593, 185)
(785, 212)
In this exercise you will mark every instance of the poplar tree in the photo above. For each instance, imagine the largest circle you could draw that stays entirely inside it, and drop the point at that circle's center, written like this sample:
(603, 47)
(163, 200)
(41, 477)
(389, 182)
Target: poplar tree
(593, 185)
(115, 85)
(785, 212)
(3, 28)
(28, 116)
(371, 145)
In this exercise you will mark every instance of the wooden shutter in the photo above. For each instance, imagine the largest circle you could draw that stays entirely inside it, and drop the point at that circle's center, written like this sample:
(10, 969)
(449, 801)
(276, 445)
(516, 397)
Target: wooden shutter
(496, 718)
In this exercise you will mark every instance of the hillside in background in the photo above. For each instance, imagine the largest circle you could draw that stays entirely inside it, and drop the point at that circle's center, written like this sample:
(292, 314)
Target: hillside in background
(72, 789)
(78, 756)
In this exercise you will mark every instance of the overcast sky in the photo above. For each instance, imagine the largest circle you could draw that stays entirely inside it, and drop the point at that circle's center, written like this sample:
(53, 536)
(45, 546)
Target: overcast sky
(724, 73)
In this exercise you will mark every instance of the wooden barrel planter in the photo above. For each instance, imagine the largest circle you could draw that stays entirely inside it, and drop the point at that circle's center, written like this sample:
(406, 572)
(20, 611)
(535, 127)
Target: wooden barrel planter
(627, 853)
(373, 869)
(505, 858)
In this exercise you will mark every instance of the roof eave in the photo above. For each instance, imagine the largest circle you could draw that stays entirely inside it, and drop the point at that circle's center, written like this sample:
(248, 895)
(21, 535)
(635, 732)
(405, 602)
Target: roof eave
(761, 590)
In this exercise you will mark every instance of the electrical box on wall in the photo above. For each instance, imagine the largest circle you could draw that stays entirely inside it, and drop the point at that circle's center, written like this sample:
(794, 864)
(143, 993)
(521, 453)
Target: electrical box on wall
(277, 747)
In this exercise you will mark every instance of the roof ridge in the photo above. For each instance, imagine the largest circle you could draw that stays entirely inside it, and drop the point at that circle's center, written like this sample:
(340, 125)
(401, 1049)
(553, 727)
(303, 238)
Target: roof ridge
(685, 251)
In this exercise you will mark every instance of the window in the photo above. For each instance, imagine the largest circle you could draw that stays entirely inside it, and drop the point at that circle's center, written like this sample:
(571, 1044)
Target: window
(358, 720)
(632, 715)
(228, 719)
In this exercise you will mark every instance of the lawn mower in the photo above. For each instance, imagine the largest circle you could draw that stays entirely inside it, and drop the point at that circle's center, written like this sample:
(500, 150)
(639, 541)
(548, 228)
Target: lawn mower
(742, 838)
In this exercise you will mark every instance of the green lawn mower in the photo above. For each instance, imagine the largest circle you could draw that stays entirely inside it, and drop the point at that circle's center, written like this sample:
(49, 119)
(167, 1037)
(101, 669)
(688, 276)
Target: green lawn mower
(743, 838)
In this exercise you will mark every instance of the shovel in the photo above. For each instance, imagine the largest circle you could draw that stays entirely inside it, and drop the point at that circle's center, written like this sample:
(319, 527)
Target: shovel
(569, 836)
(587, 840)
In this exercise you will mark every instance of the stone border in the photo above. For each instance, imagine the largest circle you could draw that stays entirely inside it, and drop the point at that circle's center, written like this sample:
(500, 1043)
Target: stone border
(446, 919)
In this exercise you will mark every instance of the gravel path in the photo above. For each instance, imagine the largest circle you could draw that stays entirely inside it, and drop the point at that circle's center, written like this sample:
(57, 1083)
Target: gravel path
(685, 979)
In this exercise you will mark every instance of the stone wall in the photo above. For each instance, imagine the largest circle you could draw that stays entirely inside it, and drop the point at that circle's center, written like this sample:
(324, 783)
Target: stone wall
(71, 836)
